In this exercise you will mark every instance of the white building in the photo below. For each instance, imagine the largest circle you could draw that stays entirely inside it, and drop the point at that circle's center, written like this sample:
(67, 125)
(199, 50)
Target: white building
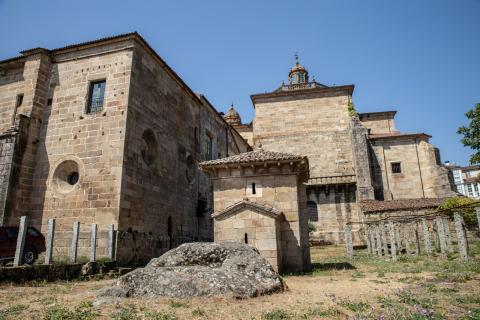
(466, 180)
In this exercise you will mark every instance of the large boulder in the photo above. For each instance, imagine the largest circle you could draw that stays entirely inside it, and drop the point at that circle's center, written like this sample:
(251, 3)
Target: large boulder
(201, 269)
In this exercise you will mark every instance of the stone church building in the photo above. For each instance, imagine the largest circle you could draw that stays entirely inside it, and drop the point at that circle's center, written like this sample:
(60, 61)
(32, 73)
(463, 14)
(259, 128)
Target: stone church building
(355, 158)
(106, 132)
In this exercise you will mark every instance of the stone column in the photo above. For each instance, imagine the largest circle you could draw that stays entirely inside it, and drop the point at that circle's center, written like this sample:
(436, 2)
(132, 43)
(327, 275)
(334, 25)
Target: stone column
(384, 239)
(379, 239)
(393, 246)
(426, 238)
(415, 238)
(367, 238)
(448, 235)
(441, 236)
(397, 237)
(349, 240)
(461, 239)
(406, 236)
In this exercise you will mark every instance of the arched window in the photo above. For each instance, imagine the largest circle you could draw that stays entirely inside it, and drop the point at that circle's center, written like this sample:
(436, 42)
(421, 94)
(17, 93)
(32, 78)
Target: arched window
(149, 147)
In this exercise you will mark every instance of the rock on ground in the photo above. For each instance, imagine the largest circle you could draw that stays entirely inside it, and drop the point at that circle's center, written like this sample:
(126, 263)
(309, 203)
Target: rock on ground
(201, 269)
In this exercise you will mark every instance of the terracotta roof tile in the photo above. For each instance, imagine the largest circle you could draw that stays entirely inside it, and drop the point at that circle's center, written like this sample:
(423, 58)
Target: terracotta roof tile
(398, 135)
(375, 206)
(258, 155)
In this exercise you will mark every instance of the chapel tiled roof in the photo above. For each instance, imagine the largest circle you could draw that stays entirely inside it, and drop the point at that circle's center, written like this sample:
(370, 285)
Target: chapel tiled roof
(376, 206)
(398, 135)
(258, 155)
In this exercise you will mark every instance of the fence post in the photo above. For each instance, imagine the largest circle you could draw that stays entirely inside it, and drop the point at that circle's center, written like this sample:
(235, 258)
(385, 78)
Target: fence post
(111, 242)
(416, 239)
(93, 243)
(348, 240)
(367, 238)
(22, 233)
(441, 236)
(393, 246)
(406, 236)
(448, 235)
(461, 240)
(426, 238)
(397, 237)
(478, 218)
(50, 238)
(384, 239)
(378, 240)
(73, 253)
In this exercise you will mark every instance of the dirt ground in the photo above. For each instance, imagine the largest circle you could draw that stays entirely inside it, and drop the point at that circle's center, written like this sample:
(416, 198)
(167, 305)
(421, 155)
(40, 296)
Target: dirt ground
(365, 288)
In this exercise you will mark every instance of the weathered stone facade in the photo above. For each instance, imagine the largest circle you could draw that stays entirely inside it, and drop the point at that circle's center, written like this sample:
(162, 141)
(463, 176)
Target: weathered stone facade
(351, 155)
(259, 199)
(134, 160)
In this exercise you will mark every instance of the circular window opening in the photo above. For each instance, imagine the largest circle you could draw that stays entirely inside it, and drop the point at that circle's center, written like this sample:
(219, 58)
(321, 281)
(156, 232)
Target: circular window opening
(73, 178)
(65, 176)
(149, 147)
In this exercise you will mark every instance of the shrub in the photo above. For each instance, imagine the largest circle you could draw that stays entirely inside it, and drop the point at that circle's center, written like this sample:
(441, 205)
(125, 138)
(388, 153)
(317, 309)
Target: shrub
(464, 206)
(312, 227)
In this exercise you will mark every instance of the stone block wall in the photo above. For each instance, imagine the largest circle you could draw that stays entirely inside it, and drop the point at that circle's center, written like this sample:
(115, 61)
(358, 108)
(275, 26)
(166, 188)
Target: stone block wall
(279, 191)
(421, 177)
(316, 126)
(331, 207)
(254, 229)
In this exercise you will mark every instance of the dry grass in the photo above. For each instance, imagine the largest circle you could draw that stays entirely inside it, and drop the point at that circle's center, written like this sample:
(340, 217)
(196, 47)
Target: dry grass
(366, 288)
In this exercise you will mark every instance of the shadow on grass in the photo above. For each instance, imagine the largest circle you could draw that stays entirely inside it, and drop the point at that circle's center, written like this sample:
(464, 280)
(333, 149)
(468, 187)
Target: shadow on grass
(320, 268)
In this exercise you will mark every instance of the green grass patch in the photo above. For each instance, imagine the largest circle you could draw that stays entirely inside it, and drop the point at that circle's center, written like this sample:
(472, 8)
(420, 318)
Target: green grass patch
(12, 311)
(178, 304)
(276, 314)
(159, 315)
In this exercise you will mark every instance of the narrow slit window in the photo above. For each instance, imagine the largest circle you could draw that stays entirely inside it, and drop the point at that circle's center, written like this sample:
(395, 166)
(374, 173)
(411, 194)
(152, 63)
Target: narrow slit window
(254, 190)
(396, 167)
(96, 96)
(19, 101)
(246, 238)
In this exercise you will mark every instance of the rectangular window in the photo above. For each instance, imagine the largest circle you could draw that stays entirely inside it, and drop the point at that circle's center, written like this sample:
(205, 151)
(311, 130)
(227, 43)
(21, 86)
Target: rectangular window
(19, 101)
(254, 190)
(96, 95)
(470, 190)
(396, 167)
(209, 148)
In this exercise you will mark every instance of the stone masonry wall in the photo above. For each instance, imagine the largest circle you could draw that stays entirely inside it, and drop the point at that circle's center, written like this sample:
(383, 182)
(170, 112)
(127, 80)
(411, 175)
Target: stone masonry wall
(277, 191)
(257, 230)
(421, 176)
(167, 196)
(313, 126)
(91, 144)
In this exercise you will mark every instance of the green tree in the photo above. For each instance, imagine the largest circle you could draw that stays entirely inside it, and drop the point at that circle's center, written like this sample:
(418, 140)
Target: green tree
(471, 133)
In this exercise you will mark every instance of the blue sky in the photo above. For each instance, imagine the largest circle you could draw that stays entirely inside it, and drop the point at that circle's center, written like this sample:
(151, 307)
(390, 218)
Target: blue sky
(420, 57)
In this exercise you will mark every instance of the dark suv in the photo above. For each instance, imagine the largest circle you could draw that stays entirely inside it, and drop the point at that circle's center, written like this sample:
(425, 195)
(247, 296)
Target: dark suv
(34, 244)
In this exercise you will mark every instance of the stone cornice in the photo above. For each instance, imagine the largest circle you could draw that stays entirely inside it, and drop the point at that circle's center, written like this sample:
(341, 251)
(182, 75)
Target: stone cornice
(348, 89)
(246, 204)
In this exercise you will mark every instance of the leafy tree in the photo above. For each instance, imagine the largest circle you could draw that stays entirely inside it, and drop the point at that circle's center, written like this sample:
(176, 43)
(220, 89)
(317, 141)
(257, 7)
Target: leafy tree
(464, 206)
(471, 133)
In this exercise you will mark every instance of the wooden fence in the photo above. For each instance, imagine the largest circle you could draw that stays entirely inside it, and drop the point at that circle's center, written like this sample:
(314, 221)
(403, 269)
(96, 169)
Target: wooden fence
(414, 235)
(21, 239)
